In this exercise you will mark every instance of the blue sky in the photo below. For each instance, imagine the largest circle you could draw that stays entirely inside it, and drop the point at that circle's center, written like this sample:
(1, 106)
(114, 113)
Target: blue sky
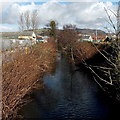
(64, 2)
(83, 14)
(108, 0)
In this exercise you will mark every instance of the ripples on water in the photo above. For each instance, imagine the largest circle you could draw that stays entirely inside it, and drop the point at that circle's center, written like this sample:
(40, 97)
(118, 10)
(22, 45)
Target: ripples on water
(72, 96)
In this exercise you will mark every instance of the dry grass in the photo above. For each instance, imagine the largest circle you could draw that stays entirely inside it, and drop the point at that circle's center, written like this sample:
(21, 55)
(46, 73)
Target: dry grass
(21, 70)
(84, 51)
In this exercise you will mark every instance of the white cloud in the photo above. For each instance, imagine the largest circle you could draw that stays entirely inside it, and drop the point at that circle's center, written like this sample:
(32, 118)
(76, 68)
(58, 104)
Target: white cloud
(10, 14)
(83, 14)
(2, 1)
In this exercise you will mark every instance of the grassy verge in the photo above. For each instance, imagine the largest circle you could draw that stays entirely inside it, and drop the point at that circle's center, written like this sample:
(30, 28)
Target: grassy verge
(21, 70)
(84, 51)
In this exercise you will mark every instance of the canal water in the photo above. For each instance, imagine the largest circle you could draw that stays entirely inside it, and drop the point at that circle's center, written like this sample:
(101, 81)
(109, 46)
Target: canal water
(70, 94)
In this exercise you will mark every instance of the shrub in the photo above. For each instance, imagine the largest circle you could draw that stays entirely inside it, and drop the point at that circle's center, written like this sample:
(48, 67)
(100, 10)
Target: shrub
(21, 70)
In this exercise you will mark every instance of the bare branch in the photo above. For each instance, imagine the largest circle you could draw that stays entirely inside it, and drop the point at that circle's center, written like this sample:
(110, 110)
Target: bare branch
(109, 17)
(113, 12)
(34, 20)
(27, 19)
(98, 83)
(99, 76)
(105, 57)
(21, 22)
(110, 76)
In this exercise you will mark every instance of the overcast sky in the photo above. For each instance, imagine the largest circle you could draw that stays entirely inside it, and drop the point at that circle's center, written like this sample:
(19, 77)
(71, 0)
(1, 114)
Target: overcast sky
(82, 13)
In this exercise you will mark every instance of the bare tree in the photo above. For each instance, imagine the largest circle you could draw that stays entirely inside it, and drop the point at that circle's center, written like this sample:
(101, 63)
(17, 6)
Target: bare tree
(106, 73)
(116, 27)
(34, 20)
(67, 38)
(21, 22)
(69, 27)
(27, 19)
(69, 35)
(111, 68)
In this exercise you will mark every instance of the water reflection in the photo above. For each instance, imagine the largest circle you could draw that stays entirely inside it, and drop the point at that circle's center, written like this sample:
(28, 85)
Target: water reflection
(68, 95)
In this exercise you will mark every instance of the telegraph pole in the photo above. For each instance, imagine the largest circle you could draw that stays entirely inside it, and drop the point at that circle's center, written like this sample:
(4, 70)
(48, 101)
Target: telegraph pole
(96, 35)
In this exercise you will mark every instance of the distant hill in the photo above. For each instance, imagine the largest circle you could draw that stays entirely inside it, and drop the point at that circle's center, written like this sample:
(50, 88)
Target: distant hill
(14, 35)
(91, 31)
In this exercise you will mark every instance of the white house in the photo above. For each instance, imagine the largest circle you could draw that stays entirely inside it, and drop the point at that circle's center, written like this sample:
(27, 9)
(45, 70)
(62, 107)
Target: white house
(28, 36)
(34, 38)
(86, 38)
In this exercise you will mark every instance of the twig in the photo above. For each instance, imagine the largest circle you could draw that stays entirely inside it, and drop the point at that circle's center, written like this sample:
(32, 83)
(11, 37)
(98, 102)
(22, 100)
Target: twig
(104, 56)
(112, 24)
(98, 83)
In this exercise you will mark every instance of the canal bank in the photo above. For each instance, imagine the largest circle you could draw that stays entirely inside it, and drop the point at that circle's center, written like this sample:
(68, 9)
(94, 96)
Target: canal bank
(102, 69)
(21, 72)
(70, 94)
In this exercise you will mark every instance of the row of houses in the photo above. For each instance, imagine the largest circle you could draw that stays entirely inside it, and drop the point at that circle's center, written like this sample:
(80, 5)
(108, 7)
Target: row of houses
(35, 38)
(92, 38)
(81, 37)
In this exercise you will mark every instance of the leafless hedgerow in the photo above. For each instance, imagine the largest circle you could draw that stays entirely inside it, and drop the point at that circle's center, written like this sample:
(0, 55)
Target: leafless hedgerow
(21, 72)
(109, 71)
(84, 50)
(67, 38)
(103, 73)
(68, 42)
(106, 72)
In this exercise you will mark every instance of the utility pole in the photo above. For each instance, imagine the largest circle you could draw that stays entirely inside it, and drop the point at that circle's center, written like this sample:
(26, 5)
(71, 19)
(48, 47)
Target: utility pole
(96, 34)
